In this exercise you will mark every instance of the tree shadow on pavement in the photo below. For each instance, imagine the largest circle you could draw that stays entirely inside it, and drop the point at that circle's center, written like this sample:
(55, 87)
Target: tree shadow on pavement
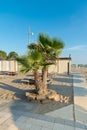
(9, 89)
(80, 91)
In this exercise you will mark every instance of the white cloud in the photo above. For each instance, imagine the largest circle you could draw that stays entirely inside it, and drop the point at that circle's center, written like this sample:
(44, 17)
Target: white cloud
(77, 48)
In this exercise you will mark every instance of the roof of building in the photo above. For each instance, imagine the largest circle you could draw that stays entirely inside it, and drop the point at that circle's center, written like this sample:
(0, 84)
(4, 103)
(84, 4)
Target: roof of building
(64, 58)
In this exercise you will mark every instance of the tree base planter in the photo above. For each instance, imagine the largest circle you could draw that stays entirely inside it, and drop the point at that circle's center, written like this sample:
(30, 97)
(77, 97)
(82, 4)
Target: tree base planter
(46, 97)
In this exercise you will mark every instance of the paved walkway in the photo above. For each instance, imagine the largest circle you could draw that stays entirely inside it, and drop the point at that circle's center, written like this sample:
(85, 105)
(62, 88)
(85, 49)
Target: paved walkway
(20, 115)
(80, 99)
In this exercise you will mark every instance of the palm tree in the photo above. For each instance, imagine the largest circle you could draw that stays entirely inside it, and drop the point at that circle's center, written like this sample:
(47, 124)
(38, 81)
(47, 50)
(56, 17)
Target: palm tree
(39, 57)
(32, 62)
(49, 49)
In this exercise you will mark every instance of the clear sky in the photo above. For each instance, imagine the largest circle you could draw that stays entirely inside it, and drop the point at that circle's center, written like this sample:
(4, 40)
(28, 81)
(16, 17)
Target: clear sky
(64, 19)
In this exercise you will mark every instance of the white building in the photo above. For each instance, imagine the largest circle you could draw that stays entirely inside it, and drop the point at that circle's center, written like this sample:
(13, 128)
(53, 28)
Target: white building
(62, 65)
(8, 65)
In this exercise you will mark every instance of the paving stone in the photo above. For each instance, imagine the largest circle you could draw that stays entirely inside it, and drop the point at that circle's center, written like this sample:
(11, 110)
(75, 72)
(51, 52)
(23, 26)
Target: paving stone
(81, 116)
(58, 127)
(46, 118)
(22, 124)
(79, 129)
(41, 123)
(59, 120)
(62, 113)
(62, 127)
(4, 117)
(66, 127)
(7, 123)
(13, 127)
(80, 125)
(4, 127)
(33, 121)
(46, 128)
(35, 127)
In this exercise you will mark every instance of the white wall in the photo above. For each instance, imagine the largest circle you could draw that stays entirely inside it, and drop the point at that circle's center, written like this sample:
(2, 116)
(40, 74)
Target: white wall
(8, 65)
(61, 66)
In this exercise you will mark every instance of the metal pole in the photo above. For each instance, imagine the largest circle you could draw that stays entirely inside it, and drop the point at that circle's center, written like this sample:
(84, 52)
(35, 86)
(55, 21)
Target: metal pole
(29, 33)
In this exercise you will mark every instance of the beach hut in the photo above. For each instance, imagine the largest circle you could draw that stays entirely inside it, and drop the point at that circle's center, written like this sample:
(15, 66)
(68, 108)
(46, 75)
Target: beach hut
(62, 65)
(8, 66)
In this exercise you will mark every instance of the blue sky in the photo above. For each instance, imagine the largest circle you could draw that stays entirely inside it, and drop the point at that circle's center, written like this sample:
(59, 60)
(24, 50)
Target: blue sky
(64, 19)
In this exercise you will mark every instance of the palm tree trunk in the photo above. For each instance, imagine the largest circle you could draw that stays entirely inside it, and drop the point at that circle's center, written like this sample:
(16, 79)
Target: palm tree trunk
(38, 82)
(44, 78)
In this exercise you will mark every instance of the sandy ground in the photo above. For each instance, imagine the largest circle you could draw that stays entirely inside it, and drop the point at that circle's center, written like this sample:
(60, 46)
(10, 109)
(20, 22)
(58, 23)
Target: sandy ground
(11, 85)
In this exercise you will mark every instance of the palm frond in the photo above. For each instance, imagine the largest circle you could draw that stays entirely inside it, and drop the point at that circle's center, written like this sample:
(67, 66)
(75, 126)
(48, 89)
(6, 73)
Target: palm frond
(33, 46)
(36, 56)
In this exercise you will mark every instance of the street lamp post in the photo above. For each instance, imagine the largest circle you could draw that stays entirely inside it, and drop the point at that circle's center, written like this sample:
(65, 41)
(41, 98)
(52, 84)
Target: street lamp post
(29, 33)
